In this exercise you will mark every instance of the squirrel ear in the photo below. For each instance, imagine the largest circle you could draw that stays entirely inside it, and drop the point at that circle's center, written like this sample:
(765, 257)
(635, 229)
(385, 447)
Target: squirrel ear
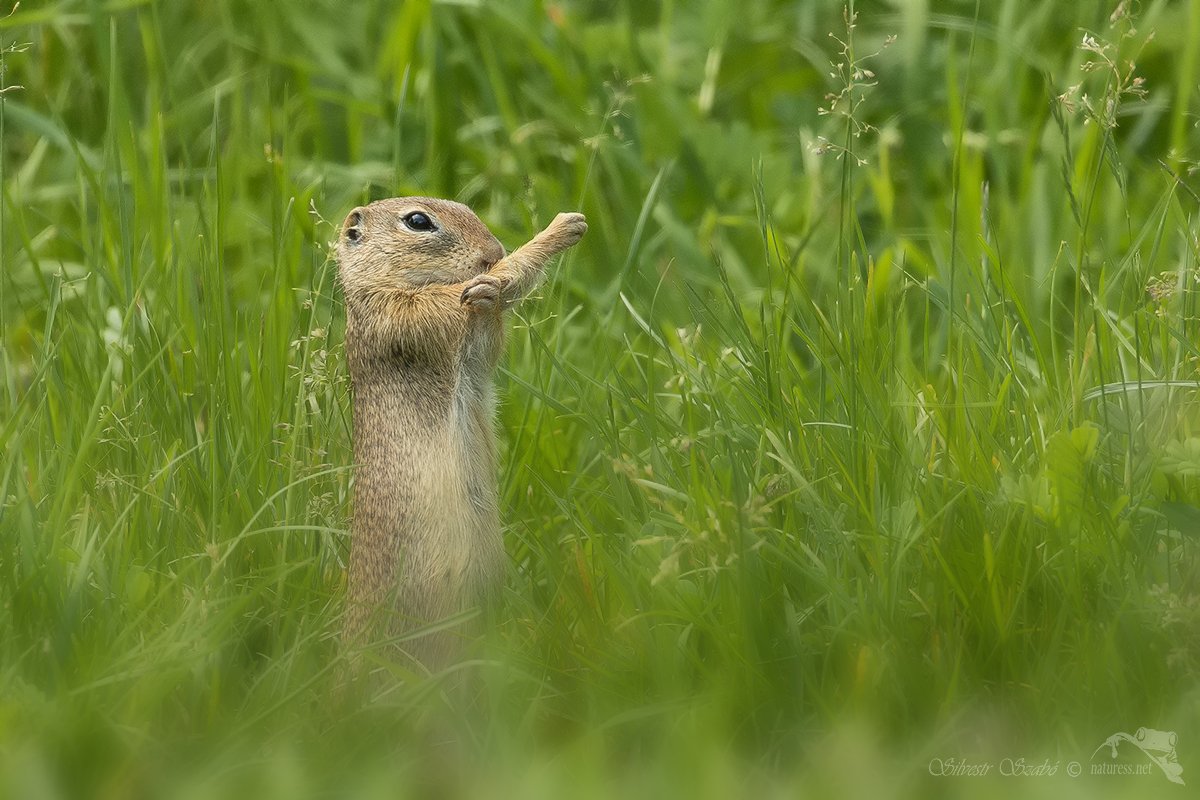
(352, 228)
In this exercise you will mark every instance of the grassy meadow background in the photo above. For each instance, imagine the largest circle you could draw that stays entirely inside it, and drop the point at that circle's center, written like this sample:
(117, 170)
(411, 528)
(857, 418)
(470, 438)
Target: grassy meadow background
(861, 429)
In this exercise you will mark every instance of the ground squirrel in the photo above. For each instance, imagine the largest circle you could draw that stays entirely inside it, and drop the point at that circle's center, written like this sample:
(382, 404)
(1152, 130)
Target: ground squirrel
(426, 284)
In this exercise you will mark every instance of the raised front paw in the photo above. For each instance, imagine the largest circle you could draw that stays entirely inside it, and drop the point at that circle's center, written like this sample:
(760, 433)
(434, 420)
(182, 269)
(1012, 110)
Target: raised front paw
(482, 293)
(566, 230)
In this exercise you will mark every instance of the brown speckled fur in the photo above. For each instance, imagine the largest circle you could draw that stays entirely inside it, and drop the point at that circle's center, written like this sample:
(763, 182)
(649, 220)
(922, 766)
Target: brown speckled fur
(424, 332)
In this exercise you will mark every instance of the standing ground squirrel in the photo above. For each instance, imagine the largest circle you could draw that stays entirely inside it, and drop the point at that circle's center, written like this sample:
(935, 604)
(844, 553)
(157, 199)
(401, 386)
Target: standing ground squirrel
(426, 284)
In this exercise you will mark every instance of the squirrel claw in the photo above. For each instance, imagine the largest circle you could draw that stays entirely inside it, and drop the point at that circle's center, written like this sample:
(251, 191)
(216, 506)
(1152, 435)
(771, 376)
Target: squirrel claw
(568, 228)
(481, 293)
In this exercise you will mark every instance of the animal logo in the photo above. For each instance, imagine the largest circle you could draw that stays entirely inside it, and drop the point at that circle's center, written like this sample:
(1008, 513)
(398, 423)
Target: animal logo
(1159, 747)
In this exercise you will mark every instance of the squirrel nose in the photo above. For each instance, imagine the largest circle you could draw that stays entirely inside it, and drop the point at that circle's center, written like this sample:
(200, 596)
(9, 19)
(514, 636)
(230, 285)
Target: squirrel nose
(492, 258)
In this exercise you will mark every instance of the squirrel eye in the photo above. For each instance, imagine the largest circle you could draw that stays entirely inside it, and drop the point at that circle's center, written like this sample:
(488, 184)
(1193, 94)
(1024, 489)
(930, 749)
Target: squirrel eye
(416, 221)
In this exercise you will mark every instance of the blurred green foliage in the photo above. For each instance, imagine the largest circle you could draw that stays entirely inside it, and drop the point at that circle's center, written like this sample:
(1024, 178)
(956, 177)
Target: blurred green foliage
(860, 430)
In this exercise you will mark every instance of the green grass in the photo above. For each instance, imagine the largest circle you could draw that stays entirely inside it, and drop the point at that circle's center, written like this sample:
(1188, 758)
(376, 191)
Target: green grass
(813, 470)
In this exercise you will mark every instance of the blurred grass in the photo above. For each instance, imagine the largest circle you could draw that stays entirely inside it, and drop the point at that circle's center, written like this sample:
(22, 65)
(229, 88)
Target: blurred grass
(813, 470)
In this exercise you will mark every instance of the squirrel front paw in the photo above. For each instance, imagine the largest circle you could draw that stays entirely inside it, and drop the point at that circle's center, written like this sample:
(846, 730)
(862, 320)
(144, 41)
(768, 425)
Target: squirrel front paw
(566, 230)
(482, 293)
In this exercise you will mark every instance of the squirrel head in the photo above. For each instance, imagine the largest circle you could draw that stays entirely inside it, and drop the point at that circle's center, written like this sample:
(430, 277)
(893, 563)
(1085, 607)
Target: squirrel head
(409, 242)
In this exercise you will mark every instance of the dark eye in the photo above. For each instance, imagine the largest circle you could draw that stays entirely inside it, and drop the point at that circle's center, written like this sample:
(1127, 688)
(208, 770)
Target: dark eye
(416, 221)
